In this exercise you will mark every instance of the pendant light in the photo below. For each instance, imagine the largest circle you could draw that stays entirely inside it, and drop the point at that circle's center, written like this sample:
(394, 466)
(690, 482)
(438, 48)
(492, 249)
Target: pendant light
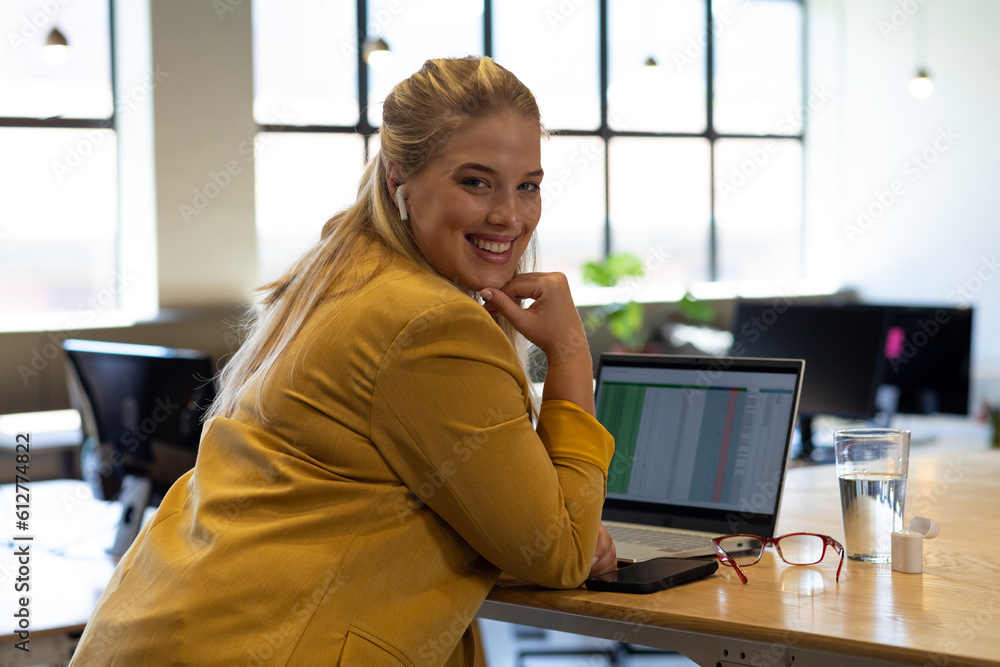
(921, 86)
(376, 53)
(56, 49)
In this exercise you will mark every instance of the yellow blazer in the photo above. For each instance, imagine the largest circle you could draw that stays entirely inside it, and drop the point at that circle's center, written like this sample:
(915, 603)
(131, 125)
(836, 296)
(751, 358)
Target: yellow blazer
(365, 522)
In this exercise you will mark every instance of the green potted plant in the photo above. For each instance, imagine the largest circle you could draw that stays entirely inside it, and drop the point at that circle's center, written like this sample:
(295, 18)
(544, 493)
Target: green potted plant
(624, 319)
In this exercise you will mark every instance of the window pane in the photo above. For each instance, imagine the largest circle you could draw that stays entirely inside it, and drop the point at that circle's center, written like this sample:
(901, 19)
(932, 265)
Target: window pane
(668, 97)
(58, 221)
(758, 207)
(33, 86)
(571, 231)
(758, 66)
(305, 62)
(301, 180)
(660, 206)
(552, 48)
(417, 30)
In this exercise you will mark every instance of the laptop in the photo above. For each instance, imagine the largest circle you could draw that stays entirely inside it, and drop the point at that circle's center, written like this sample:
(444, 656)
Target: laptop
(701, 447)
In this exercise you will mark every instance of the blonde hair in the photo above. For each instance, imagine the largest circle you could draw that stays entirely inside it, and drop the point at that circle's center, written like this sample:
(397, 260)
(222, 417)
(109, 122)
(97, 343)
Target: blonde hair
(418, 117)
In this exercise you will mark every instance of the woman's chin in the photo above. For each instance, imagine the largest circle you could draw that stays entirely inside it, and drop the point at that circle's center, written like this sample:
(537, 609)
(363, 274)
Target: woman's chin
(478, 283)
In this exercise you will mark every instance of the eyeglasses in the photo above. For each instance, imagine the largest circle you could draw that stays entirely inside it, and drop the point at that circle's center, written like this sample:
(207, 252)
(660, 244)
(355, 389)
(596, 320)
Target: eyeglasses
(795, 549)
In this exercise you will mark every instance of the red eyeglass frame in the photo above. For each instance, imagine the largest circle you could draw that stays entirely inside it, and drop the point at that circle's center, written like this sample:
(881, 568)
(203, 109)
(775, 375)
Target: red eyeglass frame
(726, 559)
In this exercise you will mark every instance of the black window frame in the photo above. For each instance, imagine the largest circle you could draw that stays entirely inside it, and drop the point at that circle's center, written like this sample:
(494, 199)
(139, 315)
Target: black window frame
(604, 131)
(108, 123)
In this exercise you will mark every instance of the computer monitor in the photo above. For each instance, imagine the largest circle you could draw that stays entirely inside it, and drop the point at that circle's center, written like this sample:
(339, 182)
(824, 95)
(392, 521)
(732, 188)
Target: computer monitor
(141, 408)
(928, 357)
(841, 344)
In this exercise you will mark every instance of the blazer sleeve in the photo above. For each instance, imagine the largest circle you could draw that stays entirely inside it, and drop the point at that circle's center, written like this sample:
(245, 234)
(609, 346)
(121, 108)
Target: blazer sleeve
(449, 416)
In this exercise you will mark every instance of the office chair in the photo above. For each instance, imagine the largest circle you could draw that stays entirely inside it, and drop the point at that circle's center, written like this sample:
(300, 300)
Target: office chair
(140, 408)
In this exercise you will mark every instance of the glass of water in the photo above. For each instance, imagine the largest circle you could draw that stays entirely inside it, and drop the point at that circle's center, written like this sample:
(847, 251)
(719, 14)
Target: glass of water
(871, 468)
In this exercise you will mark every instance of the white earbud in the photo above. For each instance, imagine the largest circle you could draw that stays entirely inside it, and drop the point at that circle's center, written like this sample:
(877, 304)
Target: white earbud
(401, 202)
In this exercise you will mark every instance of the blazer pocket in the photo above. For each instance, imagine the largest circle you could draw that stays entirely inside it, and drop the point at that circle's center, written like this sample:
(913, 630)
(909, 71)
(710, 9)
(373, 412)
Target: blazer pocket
(362, 648)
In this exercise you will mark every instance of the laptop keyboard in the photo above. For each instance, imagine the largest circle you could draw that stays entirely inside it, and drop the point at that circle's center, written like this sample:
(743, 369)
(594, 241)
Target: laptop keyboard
(661, 539)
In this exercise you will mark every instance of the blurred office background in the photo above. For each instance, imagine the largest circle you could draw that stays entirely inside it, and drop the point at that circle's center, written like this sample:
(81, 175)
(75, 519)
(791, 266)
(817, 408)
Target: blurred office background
(173, 156)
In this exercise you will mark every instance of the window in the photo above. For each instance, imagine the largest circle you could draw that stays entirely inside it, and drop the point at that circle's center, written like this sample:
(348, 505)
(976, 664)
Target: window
(59, 210)
(677, 124)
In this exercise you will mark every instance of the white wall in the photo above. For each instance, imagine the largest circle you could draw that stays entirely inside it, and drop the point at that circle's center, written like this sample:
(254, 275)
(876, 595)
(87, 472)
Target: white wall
(203, 140)
(940, 229)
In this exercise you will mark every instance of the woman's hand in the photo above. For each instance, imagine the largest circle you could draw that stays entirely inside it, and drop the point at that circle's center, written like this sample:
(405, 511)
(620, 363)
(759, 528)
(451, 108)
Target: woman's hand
(553, 324)
(606, 559)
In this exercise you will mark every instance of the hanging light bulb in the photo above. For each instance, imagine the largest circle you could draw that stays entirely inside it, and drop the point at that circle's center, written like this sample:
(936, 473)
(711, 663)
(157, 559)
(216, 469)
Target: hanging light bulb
(921, 86)
(376, 53)
(56, 49)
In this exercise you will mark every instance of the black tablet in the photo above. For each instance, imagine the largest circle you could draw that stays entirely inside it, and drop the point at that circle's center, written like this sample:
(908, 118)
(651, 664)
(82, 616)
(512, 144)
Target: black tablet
(653, 575)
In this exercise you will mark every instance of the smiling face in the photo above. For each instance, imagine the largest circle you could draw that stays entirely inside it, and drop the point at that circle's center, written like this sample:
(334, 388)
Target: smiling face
(475, 205)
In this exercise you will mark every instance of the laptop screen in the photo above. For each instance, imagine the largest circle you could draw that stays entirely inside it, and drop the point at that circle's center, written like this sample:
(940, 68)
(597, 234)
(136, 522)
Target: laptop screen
(697, 438)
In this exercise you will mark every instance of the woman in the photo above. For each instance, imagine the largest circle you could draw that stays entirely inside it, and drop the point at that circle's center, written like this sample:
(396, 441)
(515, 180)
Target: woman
(371, 465)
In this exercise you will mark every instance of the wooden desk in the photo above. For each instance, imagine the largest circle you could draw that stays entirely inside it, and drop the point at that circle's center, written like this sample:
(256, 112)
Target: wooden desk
(946, 616)
(799, 615)
(68, 567)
